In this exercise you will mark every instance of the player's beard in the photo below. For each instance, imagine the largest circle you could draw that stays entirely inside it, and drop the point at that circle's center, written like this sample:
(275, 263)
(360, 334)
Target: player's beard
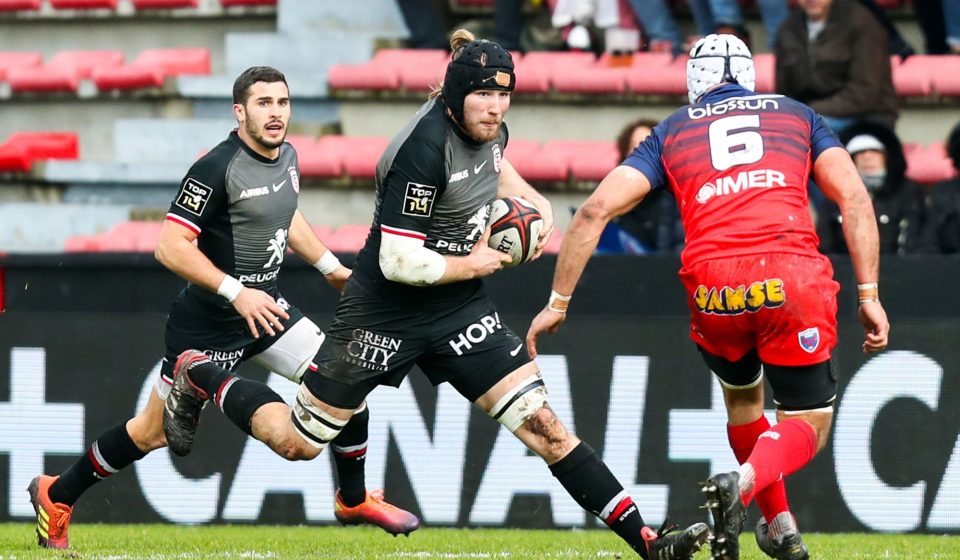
(481, 134)
(254, 132)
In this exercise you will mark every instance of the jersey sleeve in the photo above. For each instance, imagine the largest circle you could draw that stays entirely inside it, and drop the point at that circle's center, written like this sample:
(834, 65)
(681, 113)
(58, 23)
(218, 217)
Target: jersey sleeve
(412, 186)
(645, 158)
(202, 194)
(821, 137)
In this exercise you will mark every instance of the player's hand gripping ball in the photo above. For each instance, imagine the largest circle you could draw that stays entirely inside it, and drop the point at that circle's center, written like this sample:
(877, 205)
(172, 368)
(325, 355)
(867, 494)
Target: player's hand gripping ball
(515, 227)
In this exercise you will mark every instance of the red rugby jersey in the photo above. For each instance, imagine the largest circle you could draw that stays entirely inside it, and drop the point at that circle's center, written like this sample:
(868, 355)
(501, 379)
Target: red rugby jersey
(738, 163)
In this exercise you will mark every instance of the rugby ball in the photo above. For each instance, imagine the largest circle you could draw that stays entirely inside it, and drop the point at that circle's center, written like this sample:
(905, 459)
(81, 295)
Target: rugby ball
(515, 226)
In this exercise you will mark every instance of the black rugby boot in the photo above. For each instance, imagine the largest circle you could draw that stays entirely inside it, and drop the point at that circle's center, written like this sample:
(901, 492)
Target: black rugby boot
(670, 543)
(788, 547)
(729, 515)
(181, 411)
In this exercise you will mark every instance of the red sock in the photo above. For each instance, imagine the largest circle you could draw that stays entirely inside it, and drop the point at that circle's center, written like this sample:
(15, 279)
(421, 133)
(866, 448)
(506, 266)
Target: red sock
(772, 500)
(780, 451)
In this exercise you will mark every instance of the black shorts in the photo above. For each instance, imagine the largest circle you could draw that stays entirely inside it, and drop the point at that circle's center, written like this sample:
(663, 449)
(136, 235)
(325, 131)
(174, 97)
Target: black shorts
(795, 388)
(375, 342)
(227, 343)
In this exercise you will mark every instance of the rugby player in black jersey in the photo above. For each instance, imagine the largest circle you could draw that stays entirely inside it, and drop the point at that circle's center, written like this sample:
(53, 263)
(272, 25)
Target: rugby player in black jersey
(416, 298)
(227, 233)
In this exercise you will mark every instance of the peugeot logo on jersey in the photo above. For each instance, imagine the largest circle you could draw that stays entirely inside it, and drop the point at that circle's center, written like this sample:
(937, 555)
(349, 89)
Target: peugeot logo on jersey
(276, 248)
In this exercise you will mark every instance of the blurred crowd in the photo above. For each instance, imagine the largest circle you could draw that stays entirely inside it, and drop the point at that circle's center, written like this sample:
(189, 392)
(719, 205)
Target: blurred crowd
(833, 55)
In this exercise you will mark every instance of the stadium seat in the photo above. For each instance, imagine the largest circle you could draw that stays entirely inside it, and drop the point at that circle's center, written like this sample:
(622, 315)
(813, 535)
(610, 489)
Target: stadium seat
(600, 77)
(913, 77)
(348, 238)
(228, 3)
(152, 67)
(535, 70)
(360, 155)
(383, 71)
(82, 244)
(590, 160)
(10, 60)
(63, 72)
(322, 158)
(83, 4)
(670, 79)
(21, 149)
(19, 5)
(929, 164)
(536, 164)
(765, 65)
(164, 4)
(946, 79)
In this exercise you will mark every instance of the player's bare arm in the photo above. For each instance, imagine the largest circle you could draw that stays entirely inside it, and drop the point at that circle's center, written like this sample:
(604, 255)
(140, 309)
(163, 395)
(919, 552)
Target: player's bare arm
(305, 243)
(176, 251)
(512, 184)
(622, 189)
(836, 175)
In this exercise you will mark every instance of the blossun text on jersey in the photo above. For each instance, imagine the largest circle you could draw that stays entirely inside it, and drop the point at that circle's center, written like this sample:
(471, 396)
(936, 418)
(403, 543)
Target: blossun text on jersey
(758, 103)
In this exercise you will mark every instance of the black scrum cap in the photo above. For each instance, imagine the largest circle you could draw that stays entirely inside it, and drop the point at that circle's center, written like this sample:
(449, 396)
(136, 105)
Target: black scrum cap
(476, 65)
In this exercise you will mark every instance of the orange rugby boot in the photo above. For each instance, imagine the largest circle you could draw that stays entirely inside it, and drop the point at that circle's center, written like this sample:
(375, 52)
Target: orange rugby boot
(375, 511)
(53, 519)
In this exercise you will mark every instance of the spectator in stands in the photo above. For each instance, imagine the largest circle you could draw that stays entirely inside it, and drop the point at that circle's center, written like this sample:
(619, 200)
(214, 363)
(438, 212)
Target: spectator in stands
(425, 21)
(951, 18)
(832, 55)
(653, 226)
(575, 18)
(878, 156)
(898, 45)
(934, 226)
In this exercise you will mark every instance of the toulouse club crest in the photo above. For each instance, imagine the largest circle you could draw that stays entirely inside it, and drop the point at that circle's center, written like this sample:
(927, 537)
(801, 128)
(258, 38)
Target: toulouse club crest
(294, 179)
(496, 157)
(809, 339)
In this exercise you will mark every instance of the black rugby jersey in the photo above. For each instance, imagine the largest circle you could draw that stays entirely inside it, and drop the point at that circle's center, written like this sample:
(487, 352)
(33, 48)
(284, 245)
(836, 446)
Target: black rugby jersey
(241, 205)
(436, 184)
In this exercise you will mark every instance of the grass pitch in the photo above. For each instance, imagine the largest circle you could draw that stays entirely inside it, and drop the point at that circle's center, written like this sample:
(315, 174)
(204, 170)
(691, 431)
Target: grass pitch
(253, 542)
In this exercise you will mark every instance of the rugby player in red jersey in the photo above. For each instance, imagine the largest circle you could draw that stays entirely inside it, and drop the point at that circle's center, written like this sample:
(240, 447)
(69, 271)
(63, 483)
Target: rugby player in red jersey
(762, 298)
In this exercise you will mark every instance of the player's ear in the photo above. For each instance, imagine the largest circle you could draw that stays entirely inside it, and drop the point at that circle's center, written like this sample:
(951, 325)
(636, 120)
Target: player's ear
(239, 112)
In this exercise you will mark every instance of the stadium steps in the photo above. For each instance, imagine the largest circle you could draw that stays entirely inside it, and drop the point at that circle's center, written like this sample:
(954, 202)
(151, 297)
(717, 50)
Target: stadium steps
(19, 232)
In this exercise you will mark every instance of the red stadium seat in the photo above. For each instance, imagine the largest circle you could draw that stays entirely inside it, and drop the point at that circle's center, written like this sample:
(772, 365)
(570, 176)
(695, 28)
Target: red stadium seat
(228, 3)
(64, 71)
(83, 4)
(9, 60)
(139, 236)
(670, 79)
(945, 79)
(590, 160)
(360, 155)
(21, 149)
(19, 5)
(914, 76)
(765, 65)
(348, 238)
(82, 244)
(930, 164)
(152, 67)
(383, 71)
(164, 4)
(322, 158)
(535, 70)
(536, 164)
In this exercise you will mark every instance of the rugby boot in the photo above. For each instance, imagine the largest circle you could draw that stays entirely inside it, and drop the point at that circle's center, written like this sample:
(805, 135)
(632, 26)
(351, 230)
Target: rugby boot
(788, 547)
(729, 515)
(670, 543)
(181, 411)
(53, 520)
(376, 511)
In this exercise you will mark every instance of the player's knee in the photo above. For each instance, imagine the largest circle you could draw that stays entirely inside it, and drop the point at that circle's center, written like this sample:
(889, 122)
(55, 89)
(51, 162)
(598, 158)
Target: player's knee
(294, 448)
(524, 401)
(553, 441)
(316, 427)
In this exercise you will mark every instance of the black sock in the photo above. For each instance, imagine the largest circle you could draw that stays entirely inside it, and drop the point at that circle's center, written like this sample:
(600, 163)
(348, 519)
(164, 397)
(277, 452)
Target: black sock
(209, 377)
(240, 398)
(109, 454)
(350, 456)
(592, 485)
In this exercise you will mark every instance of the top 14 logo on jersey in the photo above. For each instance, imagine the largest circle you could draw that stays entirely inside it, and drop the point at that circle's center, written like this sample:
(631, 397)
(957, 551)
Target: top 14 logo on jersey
(193, 196)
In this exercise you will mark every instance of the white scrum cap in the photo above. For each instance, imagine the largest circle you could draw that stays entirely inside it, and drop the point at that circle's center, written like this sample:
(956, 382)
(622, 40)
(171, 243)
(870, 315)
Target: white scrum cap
(716, 59)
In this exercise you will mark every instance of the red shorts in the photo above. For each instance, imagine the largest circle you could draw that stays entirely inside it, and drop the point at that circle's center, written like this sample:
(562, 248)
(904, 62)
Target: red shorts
(782, 304)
